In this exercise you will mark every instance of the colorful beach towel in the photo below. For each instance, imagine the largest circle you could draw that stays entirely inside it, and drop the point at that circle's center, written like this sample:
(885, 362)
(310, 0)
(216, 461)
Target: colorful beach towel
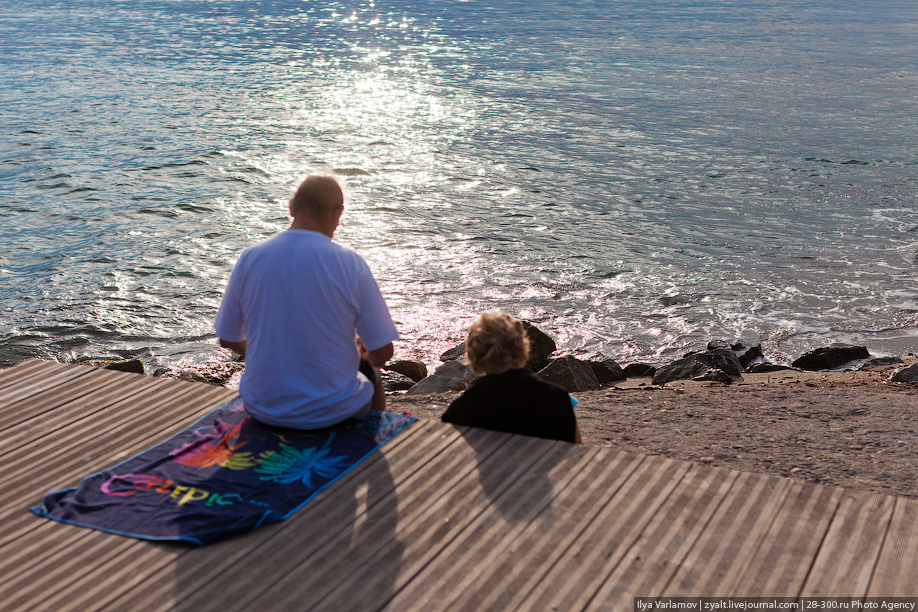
(224, 475)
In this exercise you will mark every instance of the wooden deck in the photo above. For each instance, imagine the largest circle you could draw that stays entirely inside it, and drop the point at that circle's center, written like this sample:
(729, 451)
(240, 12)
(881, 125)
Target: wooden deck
(443, 518)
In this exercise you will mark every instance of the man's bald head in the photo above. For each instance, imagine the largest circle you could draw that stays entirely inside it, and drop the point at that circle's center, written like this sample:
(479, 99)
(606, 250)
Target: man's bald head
(317, 196)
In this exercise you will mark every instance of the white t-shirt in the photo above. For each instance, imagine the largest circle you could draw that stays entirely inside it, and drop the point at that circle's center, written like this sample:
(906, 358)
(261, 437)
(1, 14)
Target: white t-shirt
(297, 300)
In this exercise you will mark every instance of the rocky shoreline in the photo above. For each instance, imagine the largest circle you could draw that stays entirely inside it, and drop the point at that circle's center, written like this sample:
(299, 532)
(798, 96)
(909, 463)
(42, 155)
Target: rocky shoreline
(721, 362)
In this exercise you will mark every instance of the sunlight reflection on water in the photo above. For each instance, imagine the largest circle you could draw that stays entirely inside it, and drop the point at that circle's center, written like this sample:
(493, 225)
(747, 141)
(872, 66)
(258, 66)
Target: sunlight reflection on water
(639, 179)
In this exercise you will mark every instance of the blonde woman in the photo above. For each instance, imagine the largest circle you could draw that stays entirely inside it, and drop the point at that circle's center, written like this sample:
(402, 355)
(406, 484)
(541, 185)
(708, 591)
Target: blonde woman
(507, 396)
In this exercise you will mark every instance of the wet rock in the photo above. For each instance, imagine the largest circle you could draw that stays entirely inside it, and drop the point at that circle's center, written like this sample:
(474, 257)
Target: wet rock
(881, 363)
(747, 355)
(454, 354)
(192, 376)
(451, 376)
(750, 356)
(135, 366)
(830, 357)
(411, 368)
(606, 369)
(217, 373)
(541, 346)
(764, 368)
(571, 373)
(129, 365)
(639, 370)
(395, 381)
(909, 374)
(701, 365)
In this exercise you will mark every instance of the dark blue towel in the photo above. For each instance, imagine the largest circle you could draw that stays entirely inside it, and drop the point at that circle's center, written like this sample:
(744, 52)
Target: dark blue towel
(224, 475)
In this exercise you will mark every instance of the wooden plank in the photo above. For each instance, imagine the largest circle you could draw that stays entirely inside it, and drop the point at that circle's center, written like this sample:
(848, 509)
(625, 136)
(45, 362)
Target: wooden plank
(896, 573)
(846, 561)
(729, 538)
(70, 464)
(520, 536)
(52, 587)
(90, 431)
(581, 571)
(366, 565)
(49, 400)
(27, 369)
(787, 548)
(85, 409)
(244, 566)
(532, 523)
(672, 531)
(493, 515)
(17, 394)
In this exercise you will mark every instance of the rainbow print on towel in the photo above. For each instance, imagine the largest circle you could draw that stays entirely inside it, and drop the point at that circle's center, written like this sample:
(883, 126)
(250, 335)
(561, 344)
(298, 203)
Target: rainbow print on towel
(225, 475)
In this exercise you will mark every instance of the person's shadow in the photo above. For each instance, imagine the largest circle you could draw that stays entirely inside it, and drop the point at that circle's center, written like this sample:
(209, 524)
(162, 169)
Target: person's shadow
(314, 560)
(522, 496)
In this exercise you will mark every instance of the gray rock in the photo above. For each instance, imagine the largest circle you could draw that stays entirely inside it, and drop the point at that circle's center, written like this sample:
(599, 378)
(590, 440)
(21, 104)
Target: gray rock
(192, 376)
(451, 376)
(606, 370)
(412, 368)
(714, 375)
(217, 373)
(830, 357)
(697, 365)
(881, 363)
(639, 370)
(571, 373)
(764, 368)
(750, 356)
(454, 354)
(134, 366)
(747, 355)
(909, 374)
(541, 346)
(395, 381)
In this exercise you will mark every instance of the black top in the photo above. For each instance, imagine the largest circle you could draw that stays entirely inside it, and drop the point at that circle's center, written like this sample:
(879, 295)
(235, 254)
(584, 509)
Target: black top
(515, 401)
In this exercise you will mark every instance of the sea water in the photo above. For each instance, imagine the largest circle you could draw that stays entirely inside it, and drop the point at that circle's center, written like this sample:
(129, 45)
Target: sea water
(634, 177)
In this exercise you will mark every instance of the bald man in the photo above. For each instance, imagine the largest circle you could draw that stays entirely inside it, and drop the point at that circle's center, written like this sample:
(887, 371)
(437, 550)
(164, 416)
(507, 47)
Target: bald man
(309, 319)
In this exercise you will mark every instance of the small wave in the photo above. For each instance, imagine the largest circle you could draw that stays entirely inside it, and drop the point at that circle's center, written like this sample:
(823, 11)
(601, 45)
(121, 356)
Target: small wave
(168, 214)
(351, 172)
(82, 189)
(195, 162)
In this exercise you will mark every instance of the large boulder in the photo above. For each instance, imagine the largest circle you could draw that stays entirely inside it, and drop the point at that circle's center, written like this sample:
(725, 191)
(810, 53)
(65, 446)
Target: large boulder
(747, 355)
(134, 366)
(639, 370)
(766, 368)
(571, 373)
(719, 365)
(606, 369)
(909, 374)
(395, 381)
(412, 368)
(451, 376)
(541, 346)
(830, 357)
